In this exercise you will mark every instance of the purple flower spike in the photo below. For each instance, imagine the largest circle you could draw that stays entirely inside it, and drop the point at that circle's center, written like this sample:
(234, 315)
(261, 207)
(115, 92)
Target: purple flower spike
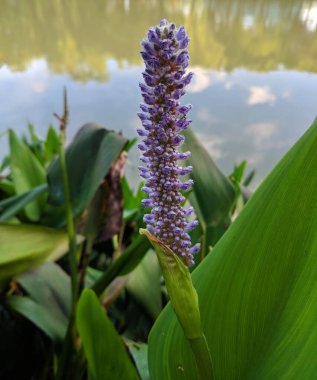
(163, 117)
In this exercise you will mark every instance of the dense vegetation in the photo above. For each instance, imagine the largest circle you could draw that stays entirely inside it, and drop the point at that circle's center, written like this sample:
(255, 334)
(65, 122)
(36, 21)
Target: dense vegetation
(111, 257)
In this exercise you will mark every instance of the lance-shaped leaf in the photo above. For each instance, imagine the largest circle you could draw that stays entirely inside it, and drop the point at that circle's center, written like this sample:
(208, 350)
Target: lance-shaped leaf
(213, 195)
(258, 287)
(24, 246)
(106, 355)
(48, 304)
(27, 173)
(9, 207)
(184, 300)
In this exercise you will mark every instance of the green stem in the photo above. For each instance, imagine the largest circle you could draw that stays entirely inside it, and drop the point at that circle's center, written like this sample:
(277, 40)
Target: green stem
(70, 223)
(202, 356)
(65, 362)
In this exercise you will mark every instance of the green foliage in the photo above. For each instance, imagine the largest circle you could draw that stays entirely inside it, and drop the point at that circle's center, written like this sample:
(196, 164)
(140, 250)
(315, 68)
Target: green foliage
(27, 173)
(213, 195)
(124, 264)
(10, 207)
(24, 246)
(257, 289)
(106, 355)
(144, 284)
(48, 304)
(88, 159)
(139, 354)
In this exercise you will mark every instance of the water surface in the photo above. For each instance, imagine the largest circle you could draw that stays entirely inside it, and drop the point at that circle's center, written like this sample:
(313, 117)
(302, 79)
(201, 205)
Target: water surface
(255, 87)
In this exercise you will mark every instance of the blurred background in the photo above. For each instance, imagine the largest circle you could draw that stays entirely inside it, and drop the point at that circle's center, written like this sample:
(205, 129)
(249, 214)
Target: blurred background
(255, 63)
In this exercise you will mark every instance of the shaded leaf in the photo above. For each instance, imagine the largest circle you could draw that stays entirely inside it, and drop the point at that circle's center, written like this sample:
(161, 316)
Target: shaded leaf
(124, 264)
(53, 325)
(139, 354)
(49, 291)
(49, 286)
(88, 159)
(145, 286)
(7, 186)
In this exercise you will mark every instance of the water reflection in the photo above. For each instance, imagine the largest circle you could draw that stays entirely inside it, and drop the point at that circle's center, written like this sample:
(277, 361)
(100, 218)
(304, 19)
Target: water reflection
(76, 37)
(255, 68)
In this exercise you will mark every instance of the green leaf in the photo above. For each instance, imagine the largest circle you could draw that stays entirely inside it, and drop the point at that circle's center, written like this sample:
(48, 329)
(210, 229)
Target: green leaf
(139, 353)
(13, 205)
(24, 246)
(258, 287)
(7, 186)
(27, 173)
(51, 143)
(238, 171)
(49, 286)
(129, 259)
(54, 326)
(88, 160)
(49, 303)
(213, 195)
(106, 355)
(144, 284)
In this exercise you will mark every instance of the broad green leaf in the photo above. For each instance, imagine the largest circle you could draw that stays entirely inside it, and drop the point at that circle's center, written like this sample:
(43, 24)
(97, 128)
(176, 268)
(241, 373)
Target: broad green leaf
(27, 173)
(24, 246)
(106, 355)
(258, 287)
(144, 284)
(53, 325)
(48, 289)
(13, 205)
(213, 195)
(125, 263)
(88, 160)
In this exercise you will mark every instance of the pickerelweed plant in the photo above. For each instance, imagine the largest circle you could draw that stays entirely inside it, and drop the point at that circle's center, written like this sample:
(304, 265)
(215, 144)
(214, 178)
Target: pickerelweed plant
(163, 118)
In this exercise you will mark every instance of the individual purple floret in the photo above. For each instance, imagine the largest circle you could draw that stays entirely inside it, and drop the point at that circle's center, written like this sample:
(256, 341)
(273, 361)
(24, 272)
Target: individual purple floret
(163, 118)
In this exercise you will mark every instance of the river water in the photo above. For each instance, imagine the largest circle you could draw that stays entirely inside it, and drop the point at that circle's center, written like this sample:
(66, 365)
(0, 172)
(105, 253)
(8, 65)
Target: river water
(255, 65)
